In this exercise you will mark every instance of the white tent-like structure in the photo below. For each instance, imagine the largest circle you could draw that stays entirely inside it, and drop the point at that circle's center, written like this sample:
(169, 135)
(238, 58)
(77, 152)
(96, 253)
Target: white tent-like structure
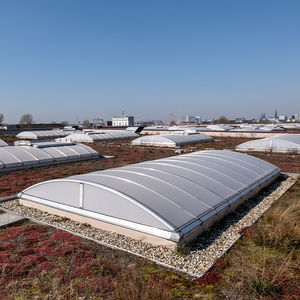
(2, 143)
(171, 140)
(284, 143)
(91, 137)
(164, 201)
(41, 134)
(41, 154)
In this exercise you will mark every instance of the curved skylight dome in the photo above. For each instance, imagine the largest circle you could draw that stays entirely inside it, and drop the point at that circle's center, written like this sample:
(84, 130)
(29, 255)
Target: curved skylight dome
(187, 128)
(33, 155)
(254, 129)
(173, 198)
(2, 143)
(219, 127)
(171, 140)
(291, 126)
(257, 128)
(91, 137)
(278, 143)
(41, 134)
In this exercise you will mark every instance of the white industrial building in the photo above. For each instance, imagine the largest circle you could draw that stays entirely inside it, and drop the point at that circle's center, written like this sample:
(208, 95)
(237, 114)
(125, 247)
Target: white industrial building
(123, 121)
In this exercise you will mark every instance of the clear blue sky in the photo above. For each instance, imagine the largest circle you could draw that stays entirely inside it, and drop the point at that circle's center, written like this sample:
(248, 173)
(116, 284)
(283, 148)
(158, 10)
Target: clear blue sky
(69, 59)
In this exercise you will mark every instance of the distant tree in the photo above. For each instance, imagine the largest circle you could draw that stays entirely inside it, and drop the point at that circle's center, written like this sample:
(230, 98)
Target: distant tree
(172, 123)
(86, 123)
(26, 120)
(221, 120)
(1, 118)
(64, 123)
(53, 122)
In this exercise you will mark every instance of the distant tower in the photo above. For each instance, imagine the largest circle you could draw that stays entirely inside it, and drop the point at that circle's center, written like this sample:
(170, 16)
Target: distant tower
(263, 116)
(276, 116)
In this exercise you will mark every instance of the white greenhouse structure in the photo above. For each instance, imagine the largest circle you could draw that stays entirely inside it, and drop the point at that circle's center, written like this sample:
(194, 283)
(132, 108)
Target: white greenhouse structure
(2, 143)
(28, 155)
(165, 201)
(91, 137)
(284, 143)
(41, 134)
(171, 140)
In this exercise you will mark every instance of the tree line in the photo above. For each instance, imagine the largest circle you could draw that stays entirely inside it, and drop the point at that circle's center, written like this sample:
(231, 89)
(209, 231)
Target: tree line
(27, 119)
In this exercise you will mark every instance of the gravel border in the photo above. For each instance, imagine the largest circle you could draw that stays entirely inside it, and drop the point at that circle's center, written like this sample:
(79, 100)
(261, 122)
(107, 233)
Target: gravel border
(202, 253)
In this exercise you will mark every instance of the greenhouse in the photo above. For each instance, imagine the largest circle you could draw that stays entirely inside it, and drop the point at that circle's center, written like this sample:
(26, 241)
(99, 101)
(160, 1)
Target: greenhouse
(34, 155)
(41, 134)
(2, 143)
(171, 140)
(91, 137)
(165, 201)
(284, 143)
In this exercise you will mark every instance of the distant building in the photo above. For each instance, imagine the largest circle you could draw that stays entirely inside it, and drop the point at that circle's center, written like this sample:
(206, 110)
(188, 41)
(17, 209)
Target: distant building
(138, 122)
(272, 119)
(239, 120)
(123, 121)
(282, 118)
(297, 117)
(263, 117)
(98, 123)
(198, 120)
(150, 123)
(107, 123)
(189, 119)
